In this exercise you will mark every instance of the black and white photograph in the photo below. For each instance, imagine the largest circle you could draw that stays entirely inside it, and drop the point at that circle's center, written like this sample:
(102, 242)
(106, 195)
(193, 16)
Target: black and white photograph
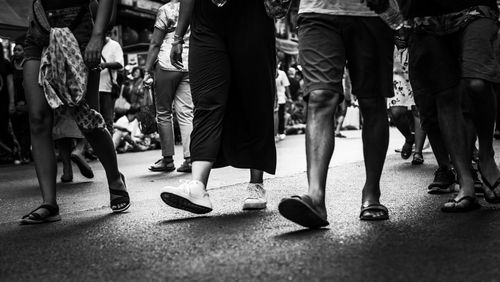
(249, 140)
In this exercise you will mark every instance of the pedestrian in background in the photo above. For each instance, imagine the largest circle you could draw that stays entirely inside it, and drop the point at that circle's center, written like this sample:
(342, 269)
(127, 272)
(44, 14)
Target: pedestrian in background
(7, 103)
(171, 89)
(452, 71)
(233, 119)
(20, 118)
(283, 94)
(111, 62)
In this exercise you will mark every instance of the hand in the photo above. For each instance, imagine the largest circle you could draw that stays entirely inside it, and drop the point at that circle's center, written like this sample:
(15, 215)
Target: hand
(378, 6)
(148, 80)
(92, 54)
(12, 108)
(176, 56)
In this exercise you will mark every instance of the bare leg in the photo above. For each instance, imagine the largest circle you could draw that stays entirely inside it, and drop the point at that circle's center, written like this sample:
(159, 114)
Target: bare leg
(101, 141)
(320, 143)
(419, 134)
(256, 176)
(41, 134)
(399, 116)
(456, 138)
(201, 171)
(375, 142)
(65, 145)
(484, 120)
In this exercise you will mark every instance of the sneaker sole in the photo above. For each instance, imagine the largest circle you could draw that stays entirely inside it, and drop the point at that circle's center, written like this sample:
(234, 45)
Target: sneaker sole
(184, 170)
(254, 206)
(179, 202)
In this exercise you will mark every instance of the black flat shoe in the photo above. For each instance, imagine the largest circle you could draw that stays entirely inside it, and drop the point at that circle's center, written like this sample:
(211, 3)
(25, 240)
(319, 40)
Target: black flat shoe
(161, 165)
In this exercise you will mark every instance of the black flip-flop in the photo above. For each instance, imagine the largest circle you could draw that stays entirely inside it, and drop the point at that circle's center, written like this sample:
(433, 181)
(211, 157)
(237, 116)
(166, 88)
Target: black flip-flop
(35, 218)
(299, 210)
(82, 165)
(374, 207)
(489, 191)
(455, 206)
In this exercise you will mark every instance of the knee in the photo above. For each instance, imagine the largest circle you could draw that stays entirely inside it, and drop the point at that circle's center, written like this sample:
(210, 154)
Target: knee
(323, 99)
(164, 116)
(475, 86)
(40, 123)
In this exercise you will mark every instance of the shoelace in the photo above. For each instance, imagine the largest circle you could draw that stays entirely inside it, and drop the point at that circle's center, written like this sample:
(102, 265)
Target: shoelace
(256, 191)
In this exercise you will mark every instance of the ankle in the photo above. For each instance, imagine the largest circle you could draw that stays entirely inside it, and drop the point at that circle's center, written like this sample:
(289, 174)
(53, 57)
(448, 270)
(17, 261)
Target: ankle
(168, 159)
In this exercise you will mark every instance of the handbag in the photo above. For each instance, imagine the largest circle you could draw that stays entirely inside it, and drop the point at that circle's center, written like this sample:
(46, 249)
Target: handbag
(147, 119)
(277, 9)
(121, 104)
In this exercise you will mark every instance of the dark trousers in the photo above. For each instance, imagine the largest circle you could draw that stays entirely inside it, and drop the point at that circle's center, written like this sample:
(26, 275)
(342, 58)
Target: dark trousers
(281, 118)
(5, 135)
(21, 128)
(107, 109)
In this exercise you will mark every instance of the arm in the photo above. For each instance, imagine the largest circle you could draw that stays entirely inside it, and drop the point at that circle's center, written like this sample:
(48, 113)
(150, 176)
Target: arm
(185, 13)
(154, 48)
(92, 54)
(112, 65)
(10, 88)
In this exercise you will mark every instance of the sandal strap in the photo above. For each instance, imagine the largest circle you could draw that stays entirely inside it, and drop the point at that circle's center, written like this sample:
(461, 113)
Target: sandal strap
(118, 193)
(374, 207)
(53, 210)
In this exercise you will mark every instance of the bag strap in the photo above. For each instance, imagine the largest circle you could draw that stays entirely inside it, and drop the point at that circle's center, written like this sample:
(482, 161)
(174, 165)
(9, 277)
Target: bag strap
(109, 70)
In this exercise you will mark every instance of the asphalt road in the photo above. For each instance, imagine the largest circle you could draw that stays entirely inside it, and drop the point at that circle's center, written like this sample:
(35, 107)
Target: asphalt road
(153, 242)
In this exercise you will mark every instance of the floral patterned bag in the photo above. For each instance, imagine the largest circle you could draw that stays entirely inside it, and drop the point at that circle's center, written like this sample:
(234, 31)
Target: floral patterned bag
(277, 9)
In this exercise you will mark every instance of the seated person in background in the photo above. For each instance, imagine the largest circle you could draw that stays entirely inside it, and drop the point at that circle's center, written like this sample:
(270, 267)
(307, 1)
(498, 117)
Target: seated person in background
(127, 135)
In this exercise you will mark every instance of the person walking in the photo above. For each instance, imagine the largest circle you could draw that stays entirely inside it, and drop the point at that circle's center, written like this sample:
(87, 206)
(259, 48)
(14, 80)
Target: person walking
(7, 103)
(20, 118)
(331, 35)
(233, 118)
(70, 24)
(452, 71)
(283, 94)
(171, 87)
(403, 111)
(111, 62)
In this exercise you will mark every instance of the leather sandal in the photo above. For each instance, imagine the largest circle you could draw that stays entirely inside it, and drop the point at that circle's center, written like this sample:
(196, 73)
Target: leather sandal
(36, 218)
(121, 203)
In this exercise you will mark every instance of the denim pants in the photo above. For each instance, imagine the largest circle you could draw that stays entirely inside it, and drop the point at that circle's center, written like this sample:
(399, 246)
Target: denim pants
(172, 89)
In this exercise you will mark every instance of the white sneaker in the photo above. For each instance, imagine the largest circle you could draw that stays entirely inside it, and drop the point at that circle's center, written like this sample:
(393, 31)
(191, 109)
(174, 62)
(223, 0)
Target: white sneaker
(256, 197)
(282, 137)
(190, 196)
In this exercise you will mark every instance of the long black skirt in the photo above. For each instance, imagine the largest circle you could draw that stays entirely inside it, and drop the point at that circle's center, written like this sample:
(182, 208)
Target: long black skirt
(232, 64)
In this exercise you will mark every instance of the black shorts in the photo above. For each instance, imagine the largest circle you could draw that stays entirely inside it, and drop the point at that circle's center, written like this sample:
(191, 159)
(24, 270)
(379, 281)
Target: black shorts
(78, 19)
(438, 63)
(327, 43)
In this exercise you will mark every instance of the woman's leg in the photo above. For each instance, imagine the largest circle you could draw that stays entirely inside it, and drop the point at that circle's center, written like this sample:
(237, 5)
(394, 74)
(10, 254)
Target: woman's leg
(41, 119)
(101, 140)
(419, 135)
(399, 117)
(65, 145)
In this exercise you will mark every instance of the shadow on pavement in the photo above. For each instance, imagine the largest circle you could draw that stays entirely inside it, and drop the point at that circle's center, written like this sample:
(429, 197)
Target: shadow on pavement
(181, 220)
(301, 234)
